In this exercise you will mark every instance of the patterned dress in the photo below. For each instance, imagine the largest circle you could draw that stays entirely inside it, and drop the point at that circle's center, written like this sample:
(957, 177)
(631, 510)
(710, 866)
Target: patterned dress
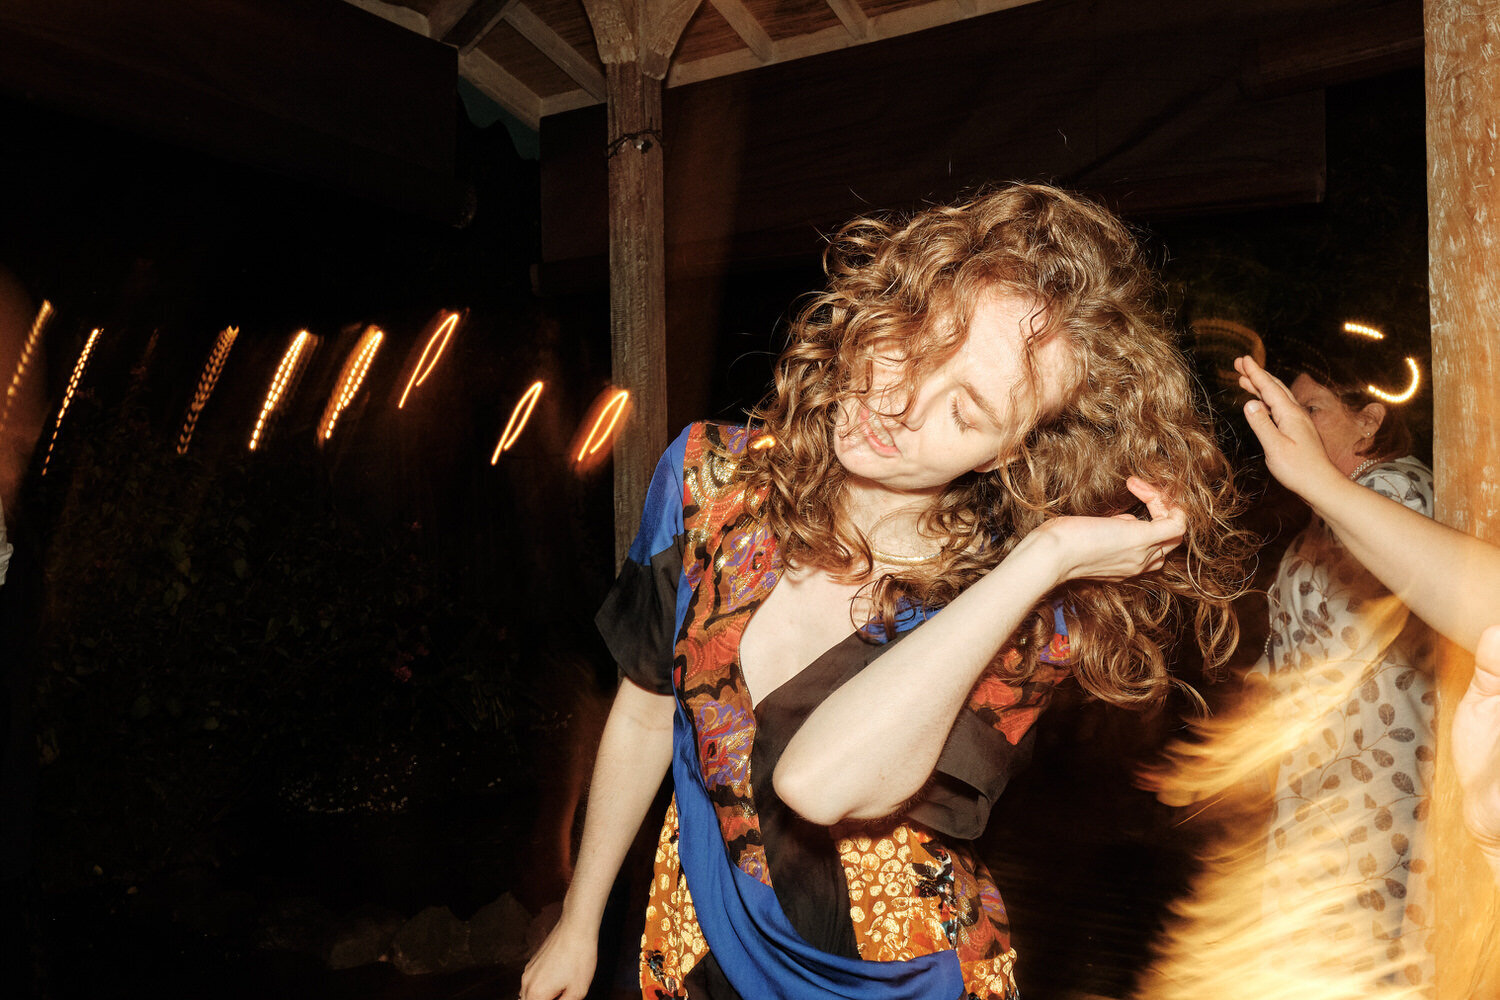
(908, 889)
(1353, 666)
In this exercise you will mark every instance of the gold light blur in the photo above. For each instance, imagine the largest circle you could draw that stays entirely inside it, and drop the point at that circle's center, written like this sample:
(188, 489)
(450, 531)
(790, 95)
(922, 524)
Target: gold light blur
(1363, 330)
(351, 377)
(212, 369)
(606, 417)
(77, 376)
(517, 422)
(284, 372)
(1407, 393)
(436, 345)
(763, 442)
(43, 315)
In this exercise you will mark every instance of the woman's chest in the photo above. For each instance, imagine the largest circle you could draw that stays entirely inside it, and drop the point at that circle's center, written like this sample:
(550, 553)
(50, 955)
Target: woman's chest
(806, 614)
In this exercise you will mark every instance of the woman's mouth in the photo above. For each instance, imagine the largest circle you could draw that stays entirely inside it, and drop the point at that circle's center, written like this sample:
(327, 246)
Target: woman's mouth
(877, 435)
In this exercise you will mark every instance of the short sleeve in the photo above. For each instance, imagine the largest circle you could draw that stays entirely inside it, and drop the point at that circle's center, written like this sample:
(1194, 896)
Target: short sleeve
(638, 619)
(1406, 481)
(991, 741)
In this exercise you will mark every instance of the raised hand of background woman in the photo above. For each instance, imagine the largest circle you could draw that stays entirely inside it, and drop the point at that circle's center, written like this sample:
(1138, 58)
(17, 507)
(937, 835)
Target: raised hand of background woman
(1294, 452)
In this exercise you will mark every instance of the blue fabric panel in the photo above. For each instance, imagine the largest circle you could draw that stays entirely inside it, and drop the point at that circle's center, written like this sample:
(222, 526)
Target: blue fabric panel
(751, 938)
(661, 518)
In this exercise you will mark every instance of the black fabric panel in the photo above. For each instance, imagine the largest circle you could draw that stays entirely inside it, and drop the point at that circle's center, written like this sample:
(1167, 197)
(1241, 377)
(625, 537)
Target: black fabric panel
(639, 616)
(976, 764)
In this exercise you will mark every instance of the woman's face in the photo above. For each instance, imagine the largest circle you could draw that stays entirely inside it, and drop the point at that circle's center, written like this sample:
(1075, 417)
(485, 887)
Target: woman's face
(1345, 433)
(965, 413)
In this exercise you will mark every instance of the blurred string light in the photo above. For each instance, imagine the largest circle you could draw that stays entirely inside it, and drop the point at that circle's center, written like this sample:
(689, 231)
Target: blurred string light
(517, 422)
(763, 442)
(1363, 330)
(78, 366)
(43, 315)
(279, 381)
(212, 369)
(351, 377)
(436, 344)
(606, 417)
(1404, 395)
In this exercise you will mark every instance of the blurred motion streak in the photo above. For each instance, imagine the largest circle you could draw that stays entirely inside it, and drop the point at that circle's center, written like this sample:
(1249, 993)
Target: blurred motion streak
(517, 422)
(763, 442)
(212, 369)
(351, 377)
(426, 364)
(1363, 330)
(605, 418)
(1252, 927)
(279, 381)
(83, 360)
(1407, 393)
(37, 326)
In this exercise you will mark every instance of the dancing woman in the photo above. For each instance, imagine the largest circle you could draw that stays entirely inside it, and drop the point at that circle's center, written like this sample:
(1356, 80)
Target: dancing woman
(981, 471)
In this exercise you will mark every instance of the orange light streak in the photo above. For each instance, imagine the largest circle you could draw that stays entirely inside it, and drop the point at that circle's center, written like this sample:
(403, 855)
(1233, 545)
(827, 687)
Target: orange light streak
(1363, 330)
(440, 338)
(212, 369)
(351, 377)
(1408, 393)
(612, 411)
(279, 382)
(78, 366)
(763, 442)
(517, 422)
(43, 315)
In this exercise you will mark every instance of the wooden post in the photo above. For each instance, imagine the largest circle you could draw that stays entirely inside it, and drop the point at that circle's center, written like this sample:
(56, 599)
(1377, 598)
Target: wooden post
(637, 286)
(635, 41)
(1463, 198)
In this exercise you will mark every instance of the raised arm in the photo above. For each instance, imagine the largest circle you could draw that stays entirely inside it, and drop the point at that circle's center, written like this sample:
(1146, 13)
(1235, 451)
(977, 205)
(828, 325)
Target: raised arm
(873, 743)
(634, 752)
(1449, 579)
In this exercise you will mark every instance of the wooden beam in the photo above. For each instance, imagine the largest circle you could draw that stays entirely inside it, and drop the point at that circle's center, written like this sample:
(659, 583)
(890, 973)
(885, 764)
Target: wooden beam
(614, 30)
(1463, 113)
(475, 24)
(554, 47)
(445, 14)
(669, 18)
(747, 27)
(499, 86)
(967, 7)
(637, 286)
(853, 16)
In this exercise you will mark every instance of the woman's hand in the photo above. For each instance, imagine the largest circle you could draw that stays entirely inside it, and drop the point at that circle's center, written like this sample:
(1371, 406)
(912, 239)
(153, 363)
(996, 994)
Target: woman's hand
(1476, 747)
(1294, 452)
(1114, 548)
(563, 966)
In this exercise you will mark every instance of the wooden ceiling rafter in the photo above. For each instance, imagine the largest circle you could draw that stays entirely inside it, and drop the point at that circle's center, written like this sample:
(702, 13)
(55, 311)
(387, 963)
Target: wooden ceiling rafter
(648, 36)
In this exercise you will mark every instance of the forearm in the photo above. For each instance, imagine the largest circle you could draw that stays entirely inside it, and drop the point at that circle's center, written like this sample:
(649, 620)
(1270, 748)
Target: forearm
(873, 743)
(1447, 578)
(634, 752)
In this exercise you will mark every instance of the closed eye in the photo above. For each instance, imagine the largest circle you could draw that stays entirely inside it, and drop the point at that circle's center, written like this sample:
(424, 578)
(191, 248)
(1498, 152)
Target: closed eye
(963, 425)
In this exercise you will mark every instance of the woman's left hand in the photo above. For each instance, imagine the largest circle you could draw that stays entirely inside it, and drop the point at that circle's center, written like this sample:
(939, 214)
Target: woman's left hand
(1116, 548)
(1294, 452)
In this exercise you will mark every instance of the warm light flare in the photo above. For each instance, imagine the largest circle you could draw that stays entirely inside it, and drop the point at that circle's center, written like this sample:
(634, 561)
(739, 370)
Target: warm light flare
(436, 345)
(212, 369)
(763, 442)
(284, 372)
(1408, 393)
(77, 376)
(1363, 330)
(43, 315)
(351, 377)
(517, 422)
(605, 419)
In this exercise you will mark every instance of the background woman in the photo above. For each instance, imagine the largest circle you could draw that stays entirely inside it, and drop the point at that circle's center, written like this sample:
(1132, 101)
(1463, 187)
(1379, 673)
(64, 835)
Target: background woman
(969, 419)
(1350, 801)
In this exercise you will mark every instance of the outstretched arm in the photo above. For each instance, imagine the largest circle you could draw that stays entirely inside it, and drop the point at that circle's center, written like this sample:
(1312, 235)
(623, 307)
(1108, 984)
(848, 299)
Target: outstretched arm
(872, 744)
(1449, 579)
(634, 752)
